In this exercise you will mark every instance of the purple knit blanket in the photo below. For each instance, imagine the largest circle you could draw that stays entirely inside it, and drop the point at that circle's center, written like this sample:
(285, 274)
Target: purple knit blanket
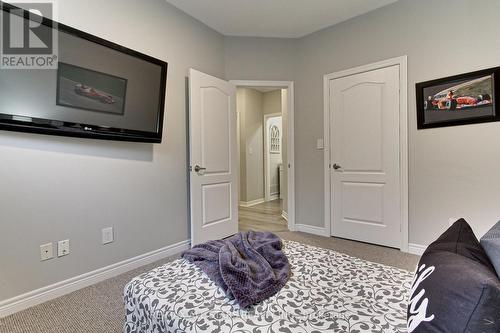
(249, 266)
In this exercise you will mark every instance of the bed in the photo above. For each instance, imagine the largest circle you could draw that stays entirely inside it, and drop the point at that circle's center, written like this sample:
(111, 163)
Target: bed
(327, 292)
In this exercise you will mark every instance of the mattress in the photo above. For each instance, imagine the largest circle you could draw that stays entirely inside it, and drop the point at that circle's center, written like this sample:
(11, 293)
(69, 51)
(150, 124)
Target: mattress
(327, 292)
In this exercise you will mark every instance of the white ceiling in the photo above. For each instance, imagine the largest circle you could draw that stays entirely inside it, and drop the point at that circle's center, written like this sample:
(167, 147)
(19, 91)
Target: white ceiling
(274, 18)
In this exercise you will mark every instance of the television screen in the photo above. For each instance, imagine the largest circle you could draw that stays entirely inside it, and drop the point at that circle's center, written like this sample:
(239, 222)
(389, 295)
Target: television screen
(95, 89)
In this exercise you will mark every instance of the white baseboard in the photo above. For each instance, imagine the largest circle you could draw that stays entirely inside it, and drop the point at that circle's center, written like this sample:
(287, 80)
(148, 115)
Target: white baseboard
(284, 215)
(274, 196)
(320, 231)
(251, 203)
(416, 249)
(35, 297)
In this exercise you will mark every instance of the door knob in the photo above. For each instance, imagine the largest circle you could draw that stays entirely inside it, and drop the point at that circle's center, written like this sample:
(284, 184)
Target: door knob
(336, 166)
(198, 168)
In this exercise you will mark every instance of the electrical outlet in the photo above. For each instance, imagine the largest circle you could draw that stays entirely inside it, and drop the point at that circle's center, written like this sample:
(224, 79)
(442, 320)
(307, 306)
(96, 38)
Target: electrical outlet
(46, 252)
(107, 235)
(63, 248)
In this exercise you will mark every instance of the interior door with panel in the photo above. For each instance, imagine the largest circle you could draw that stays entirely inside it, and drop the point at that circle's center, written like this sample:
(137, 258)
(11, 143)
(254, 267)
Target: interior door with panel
(365, 171)
(213, 158)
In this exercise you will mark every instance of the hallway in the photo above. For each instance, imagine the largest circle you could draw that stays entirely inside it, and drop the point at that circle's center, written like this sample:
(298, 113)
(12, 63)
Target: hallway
(263, 217)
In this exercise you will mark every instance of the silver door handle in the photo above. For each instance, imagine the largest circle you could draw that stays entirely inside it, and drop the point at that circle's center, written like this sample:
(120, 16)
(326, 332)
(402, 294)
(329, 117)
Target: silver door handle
(198, 168)
(336, 166)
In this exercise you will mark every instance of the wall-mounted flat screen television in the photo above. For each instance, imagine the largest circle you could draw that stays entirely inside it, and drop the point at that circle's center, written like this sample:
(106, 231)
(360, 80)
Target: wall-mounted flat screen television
(62, 81)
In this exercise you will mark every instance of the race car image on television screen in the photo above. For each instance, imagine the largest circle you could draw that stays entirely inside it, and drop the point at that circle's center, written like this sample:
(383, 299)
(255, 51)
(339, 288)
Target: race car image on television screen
(90, 90)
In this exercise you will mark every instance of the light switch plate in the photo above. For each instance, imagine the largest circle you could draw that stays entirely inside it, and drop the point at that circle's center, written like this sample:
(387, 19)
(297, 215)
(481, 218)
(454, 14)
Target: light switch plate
(107, 235)
(46, 252)
(63, 248)
(320, 144)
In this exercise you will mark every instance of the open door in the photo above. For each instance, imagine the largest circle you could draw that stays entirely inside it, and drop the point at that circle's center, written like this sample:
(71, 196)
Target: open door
(213, 158)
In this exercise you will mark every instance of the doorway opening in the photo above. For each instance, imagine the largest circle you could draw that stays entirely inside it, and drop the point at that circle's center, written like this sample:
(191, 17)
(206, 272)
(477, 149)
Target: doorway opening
(266, 202)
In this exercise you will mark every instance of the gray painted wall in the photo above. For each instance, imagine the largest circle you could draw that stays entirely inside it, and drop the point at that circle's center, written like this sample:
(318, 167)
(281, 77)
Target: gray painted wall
(453, 171)
(242, 142)
(272, 103)
(252, 58)
(57, 188)
(251, 144)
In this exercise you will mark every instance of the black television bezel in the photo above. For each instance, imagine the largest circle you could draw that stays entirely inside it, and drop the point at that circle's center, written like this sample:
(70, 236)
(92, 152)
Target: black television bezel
(80, 130)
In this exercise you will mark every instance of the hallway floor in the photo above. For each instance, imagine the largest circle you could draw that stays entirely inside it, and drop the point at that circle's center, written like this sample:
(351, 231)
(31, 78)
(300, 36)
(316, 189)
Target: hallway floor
(263, 217)
(267, 217)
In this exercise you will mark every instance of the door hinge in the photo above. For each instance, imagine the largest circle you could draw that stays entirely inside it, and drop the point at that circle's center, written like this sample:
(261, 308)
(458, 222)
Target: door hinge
(190, 168)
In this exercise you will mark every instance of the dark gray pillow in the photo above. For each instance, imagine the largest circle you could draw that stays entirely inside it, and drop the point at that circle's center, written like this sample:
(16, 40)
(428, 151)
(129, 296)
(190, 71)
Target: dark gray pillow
(491, 245)
(455, 288)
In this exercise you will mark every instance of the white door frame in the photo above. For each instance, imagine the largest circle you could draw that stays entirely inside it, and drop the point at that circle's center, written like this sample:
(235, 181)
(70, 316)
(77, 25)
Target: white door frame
(267, 192)
(290, 138)
(403, 136)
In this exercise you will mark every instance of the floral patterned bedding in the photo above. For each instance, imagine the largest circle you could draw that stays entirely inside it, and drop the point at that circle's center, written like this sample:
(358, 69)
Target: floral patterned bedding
(328, 292)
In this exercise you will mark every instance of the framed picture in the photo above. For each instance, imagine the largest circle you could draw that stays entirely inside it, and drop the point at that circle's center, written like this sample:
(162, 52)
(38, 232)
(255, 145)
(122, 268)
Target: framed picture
(458, 100)
(86, 89)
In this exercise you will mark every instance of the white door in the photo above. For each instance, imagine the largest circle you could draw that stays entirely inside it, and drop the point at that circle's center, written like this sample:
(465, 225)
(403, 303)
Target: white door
(273, 141)
(365, 170)
(213, 158)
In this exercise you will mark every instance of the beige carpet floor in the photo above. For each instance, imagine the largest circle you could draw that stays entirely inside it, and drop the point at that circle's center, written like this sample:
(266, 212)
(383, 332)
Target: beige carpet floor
(99, 308)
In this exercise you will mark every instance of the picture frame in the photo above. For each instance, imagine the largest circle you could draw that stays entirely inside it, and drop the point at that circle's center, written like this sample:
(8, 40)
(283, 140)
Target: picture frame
(462, 99)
